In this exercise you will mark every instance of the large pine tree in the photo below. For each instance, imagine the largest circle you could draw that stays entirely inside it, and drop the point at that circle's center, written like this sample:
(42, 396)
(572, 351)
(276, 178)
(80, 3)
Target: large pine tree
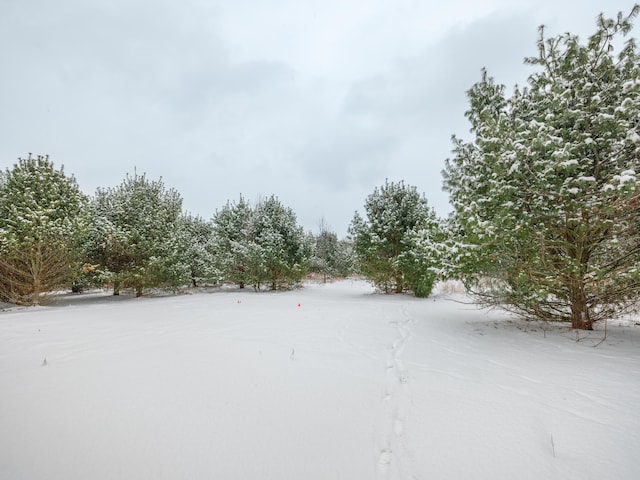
(133, 235)
(260, 246)
(41, 220)
(196, 251)
(286, 250)
(233, 242)
(545, 195)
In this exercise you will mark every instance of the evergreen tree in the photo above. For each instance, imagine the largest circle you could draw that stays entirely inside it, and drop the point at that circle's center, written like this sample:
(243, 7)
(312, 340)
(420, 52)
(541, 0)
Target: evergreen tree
(285, 251)
(261, 245)
(133, 236)
(41, 220)
(196, 250)
(330, 256)
(545, 196)
(424, 248)
(385, 245)
(344, 259)
(236, 253)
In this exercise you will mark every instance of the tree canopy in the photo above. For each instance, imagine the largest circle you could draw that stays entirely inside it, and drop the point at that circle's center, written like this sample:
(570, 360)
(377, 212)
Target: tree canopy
(545, 195)
(260, 245)
(133, 237)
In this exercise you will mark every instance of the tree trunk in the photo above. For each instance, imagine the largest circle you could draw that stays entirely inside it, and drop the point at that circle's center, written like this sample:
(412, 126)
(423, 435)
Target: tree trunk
(580, 318)
(36, 265)
(138, 290)
(35, 296)
(116, 288)
(399, 284)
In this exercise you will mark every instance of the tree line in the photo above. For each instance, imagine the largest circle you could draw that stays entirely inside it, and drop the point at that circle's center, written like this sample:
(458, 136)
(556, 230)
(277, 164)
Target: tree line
(136, 236)
(545, 219)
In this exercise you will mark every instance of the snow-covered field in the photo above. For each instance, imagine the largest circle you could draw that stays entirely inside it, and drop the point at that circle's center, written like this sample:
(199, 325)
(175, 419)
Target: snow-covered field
(326, 382)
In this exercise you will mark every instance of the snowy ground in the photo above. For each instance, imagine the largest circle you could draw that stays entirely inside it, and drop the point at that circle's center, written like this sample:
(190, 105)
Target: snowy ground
(327, 382)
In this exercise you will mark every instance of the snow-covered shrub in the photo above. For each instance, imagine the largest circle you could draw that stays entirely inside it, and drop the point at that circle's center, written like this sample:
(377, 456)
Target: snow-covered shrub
(394, 245)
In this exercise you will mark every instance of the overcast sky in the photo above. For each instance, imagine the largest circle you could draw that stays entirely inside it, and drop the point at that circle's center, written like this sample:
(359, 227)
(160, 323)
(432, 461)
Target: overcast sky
(317, 101)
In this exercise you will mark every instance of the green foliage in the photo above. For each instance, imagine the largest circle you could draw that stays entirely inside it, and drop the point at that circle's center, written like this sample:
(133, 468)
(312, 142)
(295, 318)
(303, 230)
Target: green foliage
(41, 219)
(330, 256)
(545, 196)
(421, 258)
(285, 249)
(261, 245)
(196, 250)
(393, 246)
(235, 251)
(133, 237)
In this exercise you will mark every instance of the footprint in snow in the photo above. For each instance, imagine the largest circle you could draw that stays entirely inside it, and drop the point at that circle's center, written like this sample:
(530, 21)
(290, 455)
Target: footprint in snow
(384, 460)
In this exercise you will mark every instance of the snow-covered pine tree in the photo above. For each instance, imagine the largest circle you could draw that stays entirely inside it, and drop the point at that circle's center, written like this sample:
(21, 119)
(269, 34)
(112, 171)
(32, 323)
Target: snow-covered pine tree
(236, 254)
(132, 235)
(545, 196)
(41, 220)
(286, 250)
(391, 245)
(195, 247)
(330, 257)
(423, 251)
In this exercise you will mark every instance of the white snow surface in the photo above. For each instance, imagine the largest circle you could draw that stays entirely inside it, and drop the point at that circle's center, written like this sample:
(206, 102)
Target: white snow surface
(325, 382)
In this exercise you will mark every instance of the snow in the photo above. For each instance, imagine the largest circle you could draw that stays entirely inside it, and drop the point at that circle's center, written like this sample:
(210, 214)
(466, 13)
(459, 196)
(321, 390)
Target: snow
(325, 382)
(569, 163)
(625, 177)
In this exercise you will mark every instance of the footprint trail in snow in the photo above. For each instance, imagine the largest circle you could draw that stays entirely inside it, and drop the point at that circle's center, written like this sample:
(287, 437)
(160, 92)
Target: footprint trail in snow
(394, 460)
